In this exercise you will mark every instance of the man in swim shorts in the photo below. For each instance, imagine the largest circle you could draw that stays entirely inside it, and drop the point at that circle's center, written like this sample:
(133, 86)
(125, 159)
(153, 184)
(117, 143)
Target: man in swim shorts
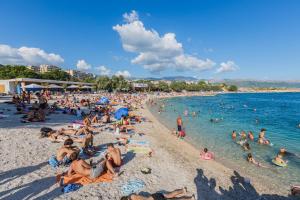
(179, 123)
(81, 167)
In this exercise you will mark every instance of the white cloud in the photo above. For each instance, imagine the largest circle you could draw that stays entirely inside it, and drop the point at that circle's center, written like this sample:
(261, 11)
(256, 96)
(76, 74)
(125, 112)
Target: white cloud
(228, 66)
(124, 73)
(27, 56)
(83, 65)
(156, 53)
(104, 71)
(131, 17)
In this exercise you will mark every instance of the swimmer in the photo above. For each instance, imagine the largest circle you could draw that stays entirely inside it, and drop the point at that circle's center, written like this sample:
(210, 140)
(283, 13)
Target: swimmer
(279, 159)
(246, 146)
(243, 135)
(250, 136)
(284, 153)
(250, 159)
(233, 135)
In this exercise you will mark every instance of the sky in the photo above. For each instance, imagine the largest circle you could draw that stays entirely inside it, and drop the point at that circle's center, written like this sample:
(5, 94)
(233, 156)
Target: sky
(209, 39)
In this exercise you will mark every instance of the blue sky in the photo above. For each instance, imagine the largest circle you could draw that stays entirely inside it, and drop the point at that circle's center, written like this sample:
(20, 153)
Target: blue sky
(257, 39)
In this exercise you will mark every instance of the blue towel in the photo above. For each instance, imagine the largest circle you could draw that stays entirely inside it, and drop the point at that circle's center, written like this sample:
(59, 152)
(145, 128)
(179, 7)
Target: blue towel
(132, 186)
(71, 187)
(53, 162)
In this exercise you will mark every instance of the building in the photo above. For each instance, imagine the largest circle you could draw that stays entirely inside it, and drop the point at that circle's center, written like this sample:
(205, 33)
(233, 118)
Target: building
(79, 74)
(48, 68)
(34, 68)
(14, 86)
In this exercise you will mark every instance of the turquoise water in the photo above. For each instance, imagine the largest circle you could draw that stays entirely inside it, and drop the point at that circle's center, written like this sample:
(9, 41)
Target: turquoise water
(279, 113)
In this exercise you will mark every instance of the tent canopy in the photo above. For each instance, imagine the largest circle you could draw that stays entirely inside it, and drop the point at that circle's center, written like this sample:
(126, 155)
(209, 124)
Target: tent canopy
(54, 86)
(87, 87)
(103, 100)
(121, 112)
(33, 86)
(73, 86)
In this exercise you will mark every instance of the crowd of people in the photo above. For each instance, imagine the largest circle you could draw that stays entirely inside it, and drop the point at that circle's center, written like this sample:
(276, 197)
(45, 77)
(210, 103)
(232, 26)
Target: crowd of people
(77, 139)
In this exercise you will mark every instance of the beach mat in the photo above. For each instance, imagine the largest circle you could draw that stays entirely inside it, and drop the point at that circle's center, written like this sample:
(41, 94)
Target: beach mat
(139, 150)
(82, 180)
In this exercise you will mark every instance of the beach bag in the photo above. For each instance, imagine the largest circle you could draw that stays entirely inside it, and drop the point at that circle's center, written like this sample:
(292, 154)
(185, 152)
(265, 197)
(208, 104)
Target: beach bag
(46, 130)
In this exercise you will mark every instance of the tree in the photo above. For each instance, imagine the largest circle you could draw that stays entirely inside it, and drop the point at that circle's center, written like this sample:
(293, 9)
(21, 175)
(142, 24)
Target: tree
(10, 72)
(232, 88)
(178, 86)
(103, 83)
(56, 75)
(163, 86)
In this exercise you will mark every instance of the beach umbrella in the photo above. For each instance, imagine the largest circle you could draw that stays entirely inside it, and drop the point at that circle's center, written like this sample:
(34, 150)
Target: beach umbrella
(53, 86)
(72, 87)
(33, 86)
(103, 100)
(121, 112)
(87, 87)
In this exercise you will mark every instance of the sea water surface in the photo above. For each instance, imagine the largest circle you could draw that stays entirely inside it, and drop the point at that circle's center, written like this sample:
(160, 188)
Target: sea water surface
(279, 113)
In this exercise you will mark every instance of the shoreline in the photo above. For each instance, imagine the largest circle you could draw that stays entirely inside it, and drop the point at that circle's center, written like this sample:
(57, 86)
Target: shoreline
(175, 163)
(214, 168)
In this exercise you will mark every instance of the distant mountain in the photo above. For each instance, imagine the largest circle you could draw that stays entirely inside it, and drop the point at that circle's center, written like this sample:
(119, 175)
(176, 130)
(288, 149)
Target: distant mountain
(259, 83)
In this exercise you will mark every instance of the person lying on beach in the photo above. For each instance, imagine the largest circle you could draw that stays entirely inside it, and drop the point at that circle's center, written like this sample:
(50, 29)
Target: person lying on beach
(37, 115)
(250, 159)
(176, 194)
(113, 157)
(79, 166)
(65, 154)
(106, 118)
(206, 155)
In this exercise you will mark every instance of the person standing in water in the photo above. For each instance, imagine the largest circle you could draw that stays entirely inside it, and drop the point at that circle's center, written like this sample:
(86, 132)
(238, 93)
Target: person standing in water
(179, 123)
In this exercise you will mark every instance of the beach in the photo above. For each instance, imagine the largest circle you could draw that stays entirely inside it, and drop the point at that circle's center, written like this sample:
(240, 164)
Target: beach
(25, 173)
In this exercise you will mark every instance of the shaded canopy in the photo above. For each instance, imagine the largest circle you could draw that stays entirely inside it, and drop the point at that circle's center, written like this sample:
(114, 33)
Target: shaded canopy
(34, 86)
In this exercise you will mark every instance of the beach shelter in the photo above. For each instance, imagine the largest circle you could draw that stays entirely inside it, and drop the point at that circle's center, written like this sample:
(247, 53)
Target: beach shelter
(87, 87)
(33, 86)
(72, 87)
(53, 86)
(121, 112)
(103, 100)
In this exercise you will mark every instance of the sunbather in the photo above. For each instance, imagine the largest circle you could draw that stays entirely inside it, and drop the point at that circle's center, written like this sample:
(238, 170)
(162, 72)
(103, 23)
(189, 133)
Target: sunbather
(81, 167)
(176, 194)
(64, 153)
(113, 157)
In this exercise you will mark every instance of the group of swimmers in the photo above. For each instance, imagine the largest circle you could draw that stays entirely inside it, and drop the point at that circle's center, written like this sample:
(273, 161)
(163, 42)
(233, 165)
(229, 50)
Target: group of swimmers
(243, 141)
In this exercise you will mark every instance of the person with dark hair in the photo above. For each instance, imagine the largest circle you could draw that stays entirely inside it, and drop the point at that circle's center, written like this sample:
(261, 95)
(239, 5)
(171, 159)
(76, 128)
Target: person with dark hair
(176, 194)
(64, 153)
(113, 157)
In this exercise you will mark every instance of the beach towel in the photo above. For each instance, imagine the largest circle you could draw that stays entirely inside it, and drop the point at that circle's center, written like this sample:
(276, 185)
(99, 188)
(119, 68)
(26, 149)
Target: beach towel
(139, 149)
(53, 162)
(138, 143)
(132, 186)
(70, 188)
(82, 180)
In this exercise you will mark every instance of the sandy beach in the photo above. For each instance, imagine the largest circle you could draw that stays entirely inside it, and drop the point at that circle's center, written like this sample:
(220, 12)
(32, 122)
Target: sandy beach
(25, 173)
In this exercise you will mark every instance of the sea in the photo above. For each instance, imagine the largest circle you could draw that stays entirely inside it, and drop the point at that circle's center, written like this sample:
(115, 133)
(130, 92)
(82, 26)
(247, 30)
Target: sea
(217, 116)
